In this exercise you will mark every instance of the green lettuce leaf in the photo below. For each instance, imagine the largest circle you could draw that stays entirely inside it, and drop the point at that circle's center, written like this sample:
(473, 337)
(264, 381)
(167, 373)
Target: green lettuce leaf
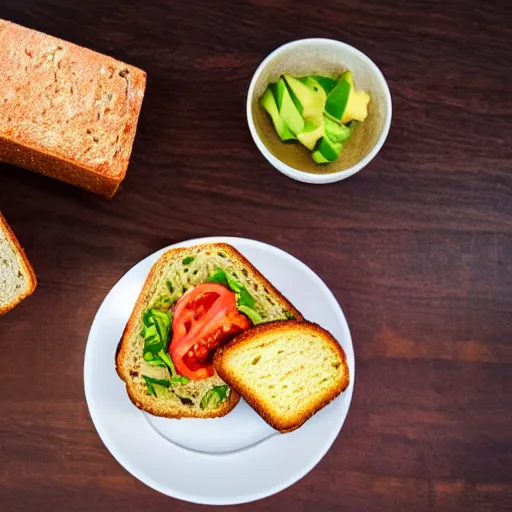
(214, 397)
(243, 297)
(157, 322)
(253, 315)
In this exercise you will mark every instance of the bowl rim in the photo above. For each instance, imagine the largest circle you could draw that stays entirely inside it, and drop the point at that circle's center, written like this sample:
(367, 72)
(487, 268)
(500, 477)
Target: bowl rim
(290, 171)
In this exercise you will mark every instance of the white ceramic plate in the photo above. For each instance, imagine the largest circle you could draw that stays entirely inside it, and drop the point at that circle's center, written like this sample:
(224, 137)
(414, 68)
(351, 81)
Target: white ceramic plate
(234, 459)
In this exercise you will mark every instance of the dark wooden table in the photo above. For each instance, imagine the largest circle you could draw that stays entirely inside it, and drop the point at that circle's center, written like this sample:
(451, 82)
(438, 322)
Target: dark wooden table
(417, 248)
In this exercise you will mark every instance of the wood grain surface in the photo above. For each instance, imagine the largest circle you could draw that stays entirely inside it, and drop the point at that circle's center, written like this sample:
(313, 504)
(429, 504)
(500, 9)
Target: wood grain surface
(417, 247)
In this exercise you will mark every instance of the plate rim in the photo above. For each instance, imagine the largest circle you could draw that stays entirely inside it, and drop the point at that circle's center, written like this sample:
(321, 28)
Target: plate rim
(295, 475)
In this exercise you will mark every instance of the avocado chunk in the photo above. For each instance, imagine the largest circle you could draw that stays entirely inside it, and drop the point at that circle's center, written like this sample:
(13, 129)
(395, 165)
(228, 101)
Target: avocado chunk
(335, 131)
(357, 107)
(311, 98)
(344, 103)
(337, 100)
(296, 101)
(287, 109)
(310, 82)
(349, 77)
(327, 83)
(319, 158)
(268, 102)
(329, 149)
(309, 137)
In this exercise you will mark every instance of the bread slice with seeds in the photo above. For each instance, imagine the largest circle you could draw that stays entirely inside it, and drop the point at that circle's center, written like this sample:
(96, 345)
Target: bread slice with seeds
(287, 371)
(17, 278)
(177, 271)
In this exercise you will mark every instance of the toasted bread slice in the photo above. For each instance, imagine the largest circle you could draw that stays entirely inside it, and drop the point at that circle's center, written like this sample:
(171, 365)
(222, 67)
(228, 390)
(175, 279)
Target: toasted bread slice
(175, 272)
(17, 278)
(287, 371)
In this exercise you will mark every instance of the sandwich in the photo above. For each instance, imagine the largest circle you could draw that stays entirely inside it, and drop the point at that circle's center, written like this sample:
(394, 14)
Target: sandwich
(17, 278)
(194, 300)
(287, 371)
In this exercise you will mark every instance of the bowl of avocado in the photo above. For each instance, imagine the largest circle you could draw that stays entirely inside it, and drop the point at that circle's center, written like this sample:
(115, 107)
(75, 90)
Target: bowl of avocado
(319, 110)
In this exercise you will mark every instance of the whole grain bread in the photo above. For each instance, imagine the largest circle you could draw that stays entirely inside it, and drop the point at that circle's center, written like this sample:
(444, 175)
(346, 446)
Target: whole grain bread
(175, 272)
(287, 371)
(17, 278)
(65, 111)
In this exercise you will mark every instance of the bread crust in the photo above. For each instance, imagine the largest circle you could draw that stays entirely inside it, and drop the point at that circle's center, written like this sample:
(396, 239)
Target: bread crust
(26, 264)
(42, 135)
(251, 398)
(142, 302)
(154, 407)
(59, 168)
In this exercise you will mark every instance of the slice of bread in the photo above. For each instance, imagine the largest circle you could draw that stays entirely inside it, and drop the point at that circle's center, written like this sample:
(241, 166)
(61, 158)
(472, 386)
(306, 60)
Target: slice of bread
(287, 371)
(66, 112)
(17, 278)
(175, 272)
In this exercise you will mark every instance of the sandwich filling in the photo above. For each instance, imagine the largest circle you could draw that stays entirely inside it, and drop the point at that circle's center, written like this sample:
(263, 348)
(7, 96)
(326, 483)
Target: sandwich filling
(205, 317)
(181, 334)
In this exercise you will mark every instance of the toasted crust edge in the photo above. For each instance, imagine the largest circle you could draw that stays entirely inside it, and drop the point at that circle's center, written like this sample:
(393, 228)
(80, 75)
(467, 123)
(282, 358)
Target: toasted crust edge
(26, 263)
(142, 303)
(251, 398)
(162, 412)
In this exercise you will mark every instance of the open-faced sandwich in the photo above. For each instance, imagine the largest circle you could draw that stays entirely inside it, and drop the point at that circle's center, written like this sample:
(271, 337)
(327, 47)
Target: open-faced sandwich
(195, 300)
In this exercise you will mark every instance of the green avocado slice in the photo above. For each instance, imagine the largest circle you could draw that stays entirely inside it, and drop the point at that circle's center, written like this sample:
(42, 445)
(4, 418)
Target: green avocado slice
(311, 98)
(319, 158)
(310, 136)
(338, 99)
(344, 104)
(349, 77)
(329, 149)
(268, 102)
(287, 109)
(327, 83)
(335, 131)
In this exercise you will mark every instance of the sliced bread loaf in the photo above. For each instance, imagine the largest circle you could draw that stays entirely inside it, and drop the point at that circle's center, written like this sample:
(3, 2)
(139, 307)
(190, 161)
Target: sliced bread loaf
(287, 371)
(17, 278)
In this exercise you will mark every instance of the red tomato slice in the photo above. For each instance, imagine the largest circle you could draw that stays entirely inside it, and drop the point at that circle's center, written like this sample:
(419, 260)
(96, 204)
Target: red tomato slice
(205, 317)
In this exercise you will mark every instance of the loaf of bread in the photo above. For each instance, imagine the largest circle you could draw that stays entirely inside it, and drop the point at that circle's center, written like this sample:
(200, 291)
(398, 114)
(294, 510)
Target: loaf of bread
(17, 278)
(65, 111)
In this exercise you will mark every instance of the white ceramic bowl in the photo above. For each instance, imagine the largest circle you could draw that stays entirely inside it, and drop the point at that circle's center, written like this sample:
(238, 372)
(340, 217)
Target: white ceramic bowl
(328, 57)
